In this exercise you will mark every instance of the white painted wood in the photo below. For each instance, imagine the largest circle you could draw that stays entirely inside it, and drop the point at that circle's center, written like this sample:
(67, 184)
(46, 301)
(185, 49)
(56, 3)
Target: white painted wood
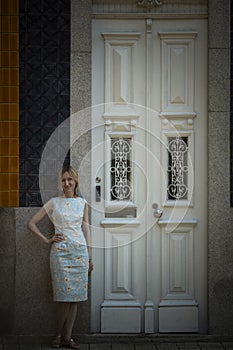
(119, 70)
(187, 295)
(177, 263)
(149, 82)
(118, 265)
(119, 294)
(130, 319)
(177, 50)
(179, 319)
(120, 222)
(149, 317)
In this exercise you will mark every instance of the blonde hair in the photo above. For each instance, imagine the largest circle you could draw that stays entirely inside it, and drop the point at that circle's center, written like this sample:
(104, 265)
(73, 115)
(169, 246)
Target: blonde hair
(74, 174)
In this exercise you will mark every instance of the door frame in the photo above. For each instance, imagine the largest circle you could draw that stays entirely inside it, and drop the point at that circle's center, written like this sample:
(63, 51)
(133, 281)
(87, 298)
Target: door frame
(171, 117)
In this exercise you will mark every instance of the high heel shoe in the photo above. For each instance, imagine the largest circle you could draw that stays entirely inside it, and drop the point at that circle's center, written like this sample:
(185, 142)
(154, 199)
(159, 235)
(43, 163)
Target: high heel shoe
(56, 343)
(70, 344)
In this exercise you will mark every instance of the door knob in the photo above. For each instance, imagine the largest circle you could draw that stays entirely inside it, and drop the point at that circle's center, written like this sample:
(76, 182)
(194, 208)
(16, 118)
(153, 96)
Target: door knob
(158, 212)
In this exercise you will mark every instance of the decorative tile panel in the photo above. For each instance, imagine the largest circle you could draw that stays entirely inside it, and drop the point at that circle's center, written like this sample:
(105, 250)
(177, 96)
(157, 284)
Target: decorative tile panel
(44, 86)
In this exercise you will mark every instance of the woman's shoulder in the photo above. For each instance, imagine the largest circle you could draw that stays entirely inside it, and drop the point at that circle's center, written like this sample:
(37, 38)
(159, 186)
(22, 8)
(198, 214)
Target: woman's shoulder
(58, 198)
(81, 199)
(48, 206)
(54, 199)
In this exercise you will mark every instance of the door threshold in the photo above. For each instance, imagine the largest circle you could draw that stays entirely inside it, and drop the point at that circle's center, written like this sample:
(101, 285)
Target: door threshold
(152, 338)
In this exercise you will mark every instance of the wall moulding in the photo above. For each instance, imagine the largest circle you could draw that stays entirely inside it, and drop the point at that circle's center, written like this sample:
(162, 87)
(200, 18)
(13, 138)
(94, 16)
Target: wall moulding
(149, 4)
(154, 7)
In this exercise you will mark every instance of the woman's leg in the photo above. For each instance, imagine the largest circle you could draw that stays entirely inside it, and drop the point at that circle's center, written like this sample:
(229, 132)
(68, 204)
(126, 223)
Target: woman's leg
(69, 323)
(62, 315)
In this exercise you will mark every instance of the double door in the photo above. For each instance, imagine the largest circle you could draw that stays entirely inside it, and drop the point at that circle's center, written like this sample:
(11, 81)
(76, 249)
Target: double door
(149, 190)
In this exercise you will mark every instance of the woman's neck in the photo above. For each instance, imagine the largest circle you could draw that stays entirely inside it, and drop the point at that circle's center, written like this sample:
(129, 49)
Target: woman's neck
(67, 195)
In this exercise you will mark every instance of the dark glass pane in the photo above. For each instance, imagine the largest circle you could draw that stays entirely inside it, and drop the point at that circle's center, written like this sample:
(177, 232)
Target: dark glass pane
(121, 188)
(177, 170)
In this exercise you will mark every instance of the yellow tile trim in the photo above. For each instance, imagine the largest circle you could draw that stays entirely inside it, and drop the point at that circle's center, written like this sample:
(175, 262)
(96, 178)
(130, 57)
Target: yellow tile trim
(9, 103)
(9, 24)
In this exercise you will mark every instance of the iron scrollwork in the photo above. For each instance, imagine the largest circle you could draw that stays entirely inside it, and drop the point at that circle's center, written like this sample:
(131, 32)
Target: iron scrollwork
(121, 168)
(149, 4)
(177, 168)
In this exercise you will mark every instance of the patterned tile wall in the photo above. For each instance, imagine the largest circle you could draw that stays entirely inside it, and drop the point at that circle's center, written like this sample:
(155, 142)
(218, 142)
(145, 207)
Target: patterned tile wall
(44, 27)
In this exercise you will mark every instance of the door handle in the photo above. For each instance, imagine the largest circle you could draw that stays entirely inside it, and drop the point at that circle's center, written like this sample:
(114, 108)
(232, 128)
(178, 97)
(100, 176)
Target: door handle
(97, 193)
(158, 212)
(97, 190)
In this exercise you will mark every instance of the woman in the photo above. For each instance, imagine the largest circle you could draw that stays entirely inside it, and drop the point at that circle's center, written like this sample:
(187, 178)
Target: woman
(70, 259)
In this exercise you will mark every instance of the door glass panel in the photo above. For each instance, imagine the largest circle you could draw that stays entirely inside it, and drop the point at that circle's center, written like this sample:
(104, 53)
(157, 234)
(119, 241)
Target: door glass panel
(121, 168)
(177, 169)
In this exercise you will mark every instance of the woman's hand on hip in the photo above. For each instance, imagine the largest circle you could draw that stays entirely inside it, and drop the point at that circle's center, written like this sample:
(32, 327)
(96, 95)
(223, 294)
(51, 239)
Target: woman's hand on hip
(58, 237)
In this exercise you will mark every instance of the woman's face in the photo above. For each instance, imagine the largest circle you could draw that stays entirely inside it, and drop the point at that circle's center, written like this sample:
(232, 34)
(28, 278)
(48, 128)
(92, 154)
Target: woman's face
(68, 184)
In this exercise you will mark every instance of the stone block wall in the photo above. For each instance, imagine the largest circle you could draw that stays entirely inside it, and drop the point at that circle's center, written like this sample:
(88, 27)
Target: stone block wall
(26, 300)
(220, 262)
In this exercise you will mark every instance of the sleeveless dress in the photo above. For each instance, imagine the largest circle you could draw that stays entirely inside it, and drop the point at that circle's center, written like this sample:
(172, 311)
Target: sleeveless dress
(69, 258)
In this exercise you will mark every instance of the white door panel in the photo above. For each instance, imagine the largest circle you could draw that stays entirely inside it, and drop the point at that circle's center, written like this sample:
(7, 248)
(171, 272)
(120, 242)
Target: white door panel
(149, 155)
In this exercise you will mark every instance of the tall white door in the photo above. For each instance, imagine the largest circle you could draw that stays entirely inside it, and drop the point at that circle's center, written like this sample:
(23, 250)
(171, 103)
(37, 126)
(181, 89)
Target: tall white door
(149, 190)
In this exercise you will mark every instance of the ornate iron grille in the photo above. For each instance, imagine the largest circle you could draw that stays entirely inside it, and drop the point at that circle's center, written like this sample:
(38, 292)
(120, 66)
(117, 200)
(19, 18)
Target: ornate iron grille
(177, 168)
(121, 169)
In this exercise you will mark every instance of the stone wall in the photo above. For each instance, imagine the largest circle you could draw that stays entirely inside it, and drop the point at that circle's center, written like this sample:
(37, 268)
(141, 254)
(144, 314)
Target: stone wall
(220, 261)
(26, 306)
(7, 275)
(81, 50)
(26, 300)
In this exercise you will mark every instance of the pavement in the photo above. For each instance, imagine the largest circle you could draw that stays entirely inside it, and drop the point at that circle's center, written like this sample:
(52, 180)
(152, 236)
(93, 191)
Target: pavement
(125, 342)
(123, 346)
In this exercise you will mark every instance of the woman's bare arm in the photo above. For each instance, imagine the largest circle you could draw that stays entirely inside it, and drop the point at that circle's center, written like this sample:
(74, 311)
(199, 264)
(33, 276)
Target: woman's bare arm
(86, 230)
(32, 224)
